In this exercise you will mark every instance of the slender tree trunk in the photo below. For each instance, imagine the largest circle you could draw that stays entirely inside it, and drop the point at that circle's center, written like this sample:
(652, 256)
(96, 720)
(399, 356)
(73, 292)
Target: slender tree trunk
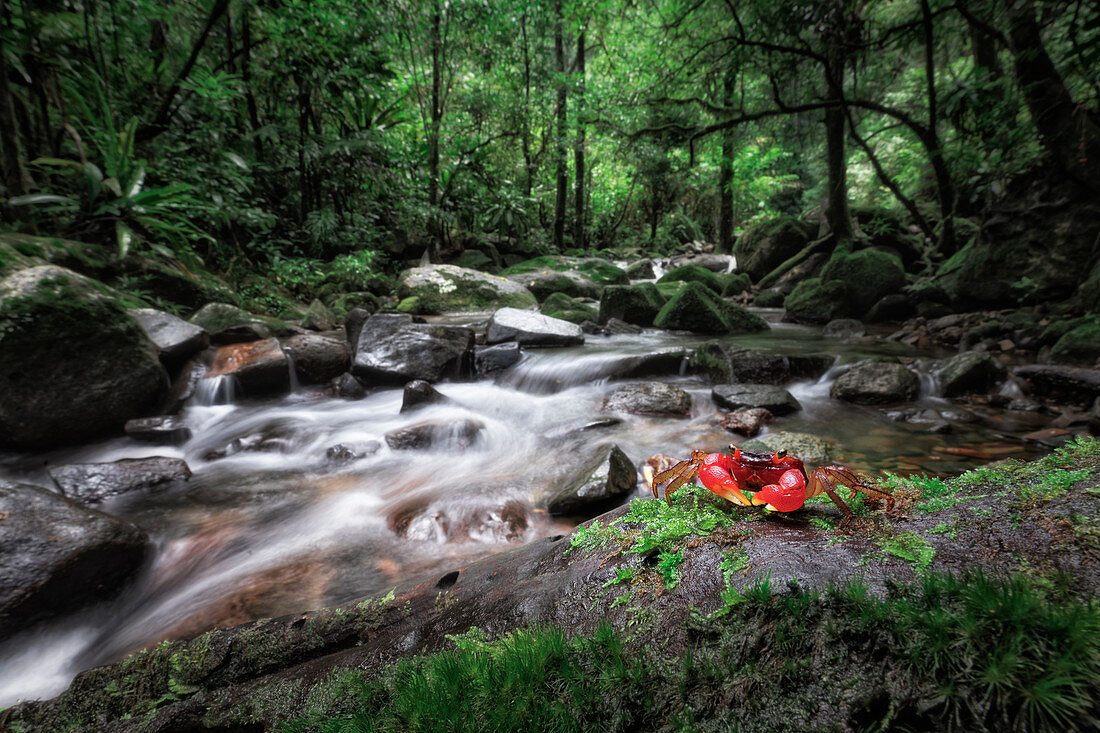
(1067, 132)
(725, 172)
(528, 163)
(578, 151)
(246, 77)
(303, 132)
(838, 217)
(14, 176)
(560, 144)
(435, 227)
(945, 188)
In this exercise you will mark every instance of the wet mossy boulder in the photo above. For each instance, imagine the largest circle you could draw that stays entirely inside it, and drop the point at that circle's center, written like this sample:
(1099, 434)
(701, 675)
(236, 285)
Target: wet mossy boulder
(223, 321)
(638, 304)
(765, 247)
(876, 383)
(442, 289)
(74, 365)
(544, 283)
(560, 305)
(735, 283)
(1080, 344)
(817, 301)
(868, 276)
(694, 274)
(696, 308)
(805, 446)
(598, 270)
(970, 371)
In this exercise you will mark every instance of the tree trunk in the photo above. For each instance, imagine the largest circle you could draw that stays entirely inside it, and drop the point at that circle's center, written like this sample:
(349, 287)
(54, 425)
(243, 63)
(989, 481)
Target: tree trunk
(578, 151)
(560, 145)
(528, 162)
(725, 173)
(246, 77)
(435, 226)
(838, 218)
(1067, 133)
(945, 188)
(14, 176)
(304, 194)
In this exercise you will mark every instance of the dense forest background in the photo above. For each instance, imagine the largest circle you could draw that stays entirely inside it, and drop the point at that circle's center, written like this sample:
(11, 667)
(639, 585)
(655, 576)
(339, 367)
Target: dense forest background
(320, 140)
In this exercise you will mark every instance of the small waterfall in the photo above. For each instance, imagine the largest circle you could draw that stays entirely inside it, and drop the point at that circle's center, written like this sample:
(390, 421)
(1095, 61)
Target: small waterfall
(293, 376)
(659, 268)
(219, 390)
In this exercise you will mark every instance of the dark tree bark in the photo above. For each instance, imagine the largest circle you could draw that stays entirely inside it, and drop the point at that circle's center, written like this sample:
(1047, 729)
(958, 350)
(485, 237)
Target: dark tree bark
(838, 217)
(725, 172)
(578, 151)
(246, 77)
(16, 179)
(435, 227)
(945, 188)
(528, 161)
(1067, 132)
(562, 173)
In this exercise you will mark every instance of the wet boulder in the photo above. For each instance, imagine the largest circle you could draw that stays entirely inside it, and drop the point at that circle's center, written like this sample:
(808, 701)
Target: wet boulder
(176, 339)
(724, 363)
(391, 349)
(561, 306)
(817, 301)
(56, 556)
(971, 371)
(228, 324)
(1066, 384)
(747, 421)
(868, 276)
(1080, 345)
(318, 317)
(259, 367)
(342, 453)
(316, 359)
(447, 435)
(74, 365)
(649, 398)
(528, 328)
(347, 387)
(696, 308)
(844, 328)
(544, 283)
(495, 358)
(641, 270)
(418, 393)
(638, 304)
(92, 483)
(598, 270)
(606, 479)
(811, 449)
(734, 284)
(694, 274)
(876, 383)
(776, 400)
(449, 289)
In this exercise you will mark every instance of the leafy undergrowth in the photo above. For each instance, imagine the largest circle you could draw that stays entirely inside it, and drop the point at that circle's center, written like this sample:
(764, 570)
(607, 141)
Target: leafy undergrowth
(969, 653)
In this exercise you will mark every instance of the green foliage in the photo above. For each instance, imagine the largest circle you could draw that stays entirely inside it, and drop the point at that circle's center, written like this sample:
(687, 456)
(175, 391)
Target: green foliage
(667, 564)
(911, 547)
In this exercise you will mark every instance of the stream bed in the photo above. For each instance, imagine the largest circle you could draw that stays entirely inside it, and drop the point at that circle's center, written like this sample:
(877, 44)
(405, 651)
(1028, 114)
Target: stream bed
(284, 528)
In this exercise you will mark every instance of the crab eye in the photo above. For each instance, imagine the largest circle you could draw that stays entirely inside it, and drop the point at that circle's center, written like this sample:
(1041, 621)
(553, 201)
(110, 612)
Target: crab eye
(781, 454)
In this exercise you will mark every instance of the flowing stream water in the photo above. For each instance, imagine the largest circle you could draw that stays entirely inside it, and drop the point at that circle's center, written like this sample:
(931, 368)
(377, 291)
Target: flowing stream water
(278, 527)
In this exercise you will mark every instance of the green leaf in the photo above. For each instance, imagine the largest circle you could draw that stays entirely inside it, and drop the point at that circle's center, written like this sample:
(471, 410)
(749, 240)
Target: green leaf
(37, 198)
(59, 162)
(237, 161)
(125, 236)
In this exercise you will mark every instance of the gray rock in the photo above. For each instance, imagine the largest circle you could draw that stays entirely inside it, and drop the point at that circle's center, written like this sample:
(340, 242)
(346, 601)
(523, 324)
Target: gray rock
(971, 371)
(605, 480)
(876, 383)
(317, 359)
(176, 339)
(342, 453)
(56, 556)
(318, 317)
(346, 386)
(228, 324)
(448, 289)
(725, 363)
(449, 435)
(649, 398)
(393, 349)
(489, 359)
(641, 270)
(74, 365)
(163, 430)
(528, 328)
(775, 399)
(844, 328)
(811, 449)
(91, 483)
(353, 325)
(543, 283)
(419, 393)
(1076, 385)
(747, 421)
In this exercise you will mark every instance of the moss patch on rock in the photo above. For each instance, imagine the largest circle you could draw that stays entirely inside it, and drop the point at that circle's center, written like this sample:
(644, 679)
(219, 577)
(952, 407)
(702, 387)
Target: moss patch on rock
(696, 308)
(560, 305)
(817, 301)
(449, 289)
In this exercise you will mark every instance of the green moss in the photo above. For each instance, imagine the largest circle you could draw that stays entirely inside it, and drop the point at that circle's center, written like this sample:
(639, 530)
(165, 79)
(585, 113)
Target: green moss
(911, 547)
(1078, 345)
(410, 304)
(696, 308)
(560, 305)
(638, 304)
(694, 274)
(735, 284)
(816, 301)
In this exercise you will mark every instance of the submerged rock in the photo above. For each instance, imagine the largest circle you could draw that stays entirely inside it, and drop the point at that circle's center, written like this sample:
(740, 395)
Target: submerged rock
(649, 398)
(450, 435)
(91, 483)
(774, 399)
(605, 480)
(164, 430)
(724, 363)
(74, 365)
(747, 421)
(56, 556)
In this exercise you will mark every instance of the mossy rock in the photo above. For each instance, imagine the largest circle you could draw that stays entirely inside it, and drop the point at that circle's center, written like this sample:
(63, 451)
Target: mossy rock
(669, 289)
(638, 304)
(868, 275)
(765, 247)
(1089, 291)
(735, 284)
(804, 446)
(545, 282)
(695, 308)
(693, 274)
(769, 299)
(215, 317)
(597, 270)
(815, 301)
(560, 305)
(74, 365)
(475, 260)
(450, 289)
(1079, 345)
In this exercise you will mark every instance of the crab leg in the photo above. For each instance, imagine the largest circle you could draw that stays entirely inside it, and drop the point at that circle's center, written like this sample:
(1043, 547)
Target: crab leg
(825, 480)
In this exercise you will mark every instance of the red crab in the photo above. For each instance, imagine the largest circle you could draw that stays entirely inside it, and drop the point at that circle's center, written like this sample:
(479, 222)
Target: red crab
(778, 480)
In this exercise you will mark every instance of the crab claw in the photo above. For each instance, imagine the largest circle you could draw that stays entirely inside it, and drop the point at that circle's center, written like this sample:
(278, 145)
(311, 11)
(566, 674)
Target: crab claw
(786, 496)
